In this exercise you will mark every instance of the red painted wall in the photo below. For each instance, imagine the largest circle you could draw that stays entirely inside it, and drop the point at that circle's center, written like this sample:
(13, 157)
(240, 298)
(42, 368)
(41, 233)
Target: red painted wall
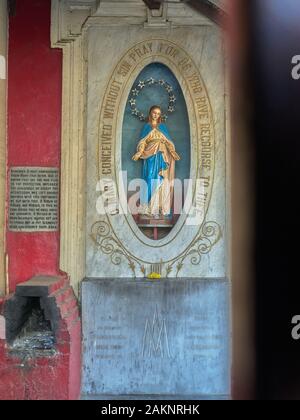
(34, 122)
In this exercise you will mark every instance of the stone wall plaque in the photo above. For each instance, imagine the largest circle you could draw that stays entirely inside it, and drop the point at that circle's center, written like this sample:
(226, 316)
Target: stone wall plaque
(168, 337)
(34, 199)
(115, 245)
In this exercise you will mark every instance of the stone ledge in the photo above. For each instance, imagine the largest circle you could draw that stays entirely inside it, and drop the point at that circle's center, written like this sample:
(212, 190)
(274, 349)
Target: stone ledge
(40, 286)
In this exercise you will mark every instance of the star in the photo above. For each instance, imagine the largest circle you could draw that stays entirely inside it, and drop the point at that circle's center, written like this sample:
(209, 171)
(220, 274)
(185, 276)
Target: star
(135, 112)
(169, 88)
(142, 117)
(172, 98)
(151, 81)
(132, 102)
(141, 84)
(135, 92)
(171, 108)
(162, 82)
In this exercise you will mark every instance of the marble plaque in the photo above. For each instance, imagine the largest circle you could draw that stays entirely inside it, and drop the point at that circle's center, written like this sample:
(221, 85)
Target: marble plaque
(34, 198)
(167, 337)
(115, 245)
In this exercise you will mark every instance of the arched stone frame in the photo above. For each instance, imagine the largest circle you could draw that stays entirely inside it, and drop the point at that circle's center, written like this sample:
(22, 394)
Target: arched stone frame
(3, 107)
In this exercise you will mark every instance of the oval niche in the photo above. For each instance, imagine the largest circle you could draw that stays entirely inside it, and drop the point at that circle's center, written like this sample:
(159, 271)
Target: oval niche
(161, 151)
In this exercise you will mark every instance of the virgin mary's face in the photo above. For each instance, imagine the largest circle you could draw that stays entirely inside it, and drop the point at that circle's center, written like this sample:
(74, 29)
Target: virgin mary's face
(155, 114)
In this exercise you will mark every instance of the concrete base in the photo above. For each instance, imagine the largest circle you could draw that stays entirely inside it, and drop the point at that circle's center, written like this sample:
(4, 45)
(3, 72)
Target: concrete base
(160, 339)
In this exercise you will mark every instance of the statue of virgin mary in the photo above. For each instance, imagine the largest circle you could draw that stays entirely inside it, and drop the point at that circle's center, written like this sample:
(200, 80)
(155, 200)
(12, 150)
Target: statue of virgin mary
(158, 153)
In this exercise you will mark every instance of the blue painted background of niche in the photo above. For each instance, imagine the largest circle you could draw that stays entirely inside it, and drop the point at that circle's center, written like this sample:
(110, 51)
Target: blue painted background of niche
(177, 122)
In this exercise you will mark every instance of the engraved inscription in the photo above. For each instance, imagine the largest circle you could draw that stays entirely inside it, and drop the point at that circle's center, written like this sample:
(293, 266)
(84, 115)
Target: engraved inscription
(109, 342)
(34, 197)
(119, 79)
(199, 340)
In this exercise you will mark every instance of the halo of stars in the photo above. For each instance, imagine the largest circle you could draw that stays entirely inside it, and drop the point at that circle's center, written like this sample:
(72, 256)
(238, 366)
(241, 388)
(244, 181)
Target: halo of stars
(148, 83)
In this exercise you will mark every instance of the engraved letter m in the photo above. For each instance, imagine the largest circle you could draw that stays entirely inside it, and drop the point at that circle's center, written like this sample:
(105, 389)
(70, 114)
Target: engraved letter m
(155, 341)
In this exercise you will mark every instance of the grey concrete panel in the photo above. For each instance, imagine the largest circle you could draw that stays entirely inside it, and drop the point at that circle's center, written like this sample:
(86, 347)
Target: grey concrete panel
(167, 337)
